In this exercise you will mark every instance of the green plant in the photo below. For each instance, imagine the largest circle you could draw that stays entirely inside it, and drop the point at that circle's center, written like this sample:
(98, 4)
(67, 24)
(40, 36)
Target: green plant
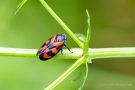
(83, 54)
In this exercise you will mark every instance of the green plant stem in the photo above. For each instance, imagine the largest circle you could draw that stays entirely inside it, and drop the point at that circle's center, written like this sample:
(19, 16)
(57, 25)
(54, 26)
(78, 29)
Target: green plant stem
(77, 54)
(112, 52)
(17, 52)
(94, 53)
(63, 25)
(65, 74)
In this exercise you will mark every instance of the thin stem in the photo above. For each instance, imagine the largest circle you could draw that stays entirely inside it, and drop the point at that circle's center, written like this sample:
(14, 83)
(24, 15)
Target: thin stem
(65, 74)
(17, 52)
(63, 25)
(112, 52)
(85, 77)
(94, 53)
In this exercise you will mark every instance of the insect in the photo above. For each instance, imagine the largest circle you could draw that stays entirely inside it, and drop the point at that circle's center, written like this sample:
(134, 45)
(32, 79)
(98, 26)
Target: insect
(52, 46)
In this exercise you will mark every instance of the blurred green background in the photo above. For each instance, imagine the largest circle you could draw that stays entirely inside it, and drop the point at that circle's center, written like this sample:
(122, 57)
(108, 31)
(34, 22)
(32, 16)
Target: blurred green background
(113, 25)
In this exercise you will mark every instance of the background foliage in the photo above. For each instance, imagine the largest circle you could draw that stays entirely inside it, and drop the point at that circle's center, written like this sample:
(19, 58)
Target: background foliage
(112, 26)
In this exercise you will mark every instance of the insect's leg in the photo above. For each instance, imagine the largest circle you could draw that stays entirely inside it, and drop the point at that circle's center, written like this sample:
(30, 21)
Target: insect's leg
(60, 49)
(68, 48)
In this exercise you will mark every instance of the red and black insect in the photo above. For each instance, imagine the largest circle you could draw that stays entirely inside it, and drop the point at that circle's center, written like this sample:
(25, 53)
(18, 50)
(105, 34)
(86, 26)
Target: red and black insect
(52, 46)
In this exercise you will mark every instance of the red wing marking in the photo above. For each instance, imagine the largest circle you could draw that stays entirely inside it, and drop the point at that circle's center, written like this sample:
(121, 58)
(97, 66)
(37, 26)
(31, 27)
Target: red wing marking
(58, 44)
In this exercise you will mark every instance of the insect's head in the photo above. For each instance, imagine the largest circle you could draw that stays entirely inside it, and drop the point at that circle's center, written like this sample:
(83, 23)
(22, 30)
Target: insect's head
(61, 37)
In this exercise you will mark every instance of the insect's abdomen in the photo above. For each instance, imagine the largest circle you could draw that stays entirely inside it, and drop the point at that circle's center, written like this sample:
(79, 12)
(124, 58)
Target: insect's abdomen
(49, 53)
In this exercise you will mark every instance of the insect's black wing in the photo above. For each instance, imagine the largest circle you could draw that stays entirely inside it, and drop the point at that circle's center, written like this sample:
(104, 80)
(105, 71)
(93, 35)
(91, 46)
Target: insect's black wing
(43, 47)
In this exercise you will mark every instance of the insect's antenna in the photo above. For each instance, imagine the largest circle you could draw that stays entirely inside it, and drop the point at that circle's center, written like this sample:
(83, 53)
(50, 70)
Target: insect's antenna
(68, 48)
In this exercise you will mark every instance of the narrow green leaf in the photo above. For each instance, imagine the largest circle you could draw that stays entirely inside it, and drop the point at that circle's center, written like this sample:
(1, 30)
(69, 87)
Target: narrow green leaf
(81, 37)
(89, 27)
(86, 43)
(20, 6)
(85, 74)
